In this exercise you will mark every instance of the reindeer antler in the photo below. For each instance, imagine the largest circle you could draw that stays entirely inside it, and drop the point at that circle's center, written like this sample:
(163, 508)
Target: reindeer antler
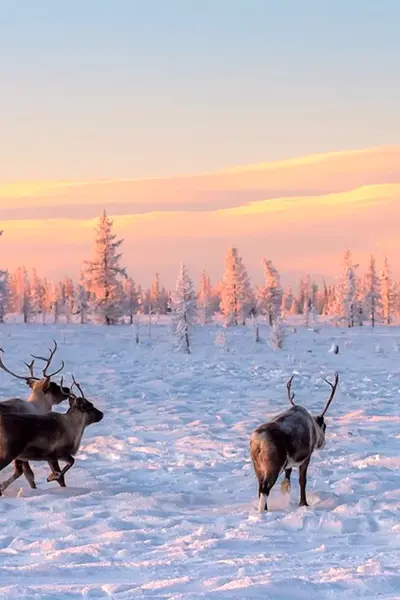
(30, 367)
(48, 362)
(74, 383)
(333, 386)
(23, 377)
(290, 394)
(65, 394)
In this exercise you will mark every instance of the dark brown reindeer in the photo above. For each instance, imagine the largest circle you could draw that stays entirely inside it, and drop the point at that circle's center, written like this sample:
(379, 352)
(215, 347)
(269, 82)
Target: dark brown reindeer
(44, 395)
(285, 442)
(45, 437)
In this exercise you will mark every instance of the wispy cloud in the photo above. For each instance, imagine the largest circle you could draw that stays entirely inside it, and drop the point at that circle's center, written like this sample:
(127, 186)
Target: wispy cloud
(50, 225)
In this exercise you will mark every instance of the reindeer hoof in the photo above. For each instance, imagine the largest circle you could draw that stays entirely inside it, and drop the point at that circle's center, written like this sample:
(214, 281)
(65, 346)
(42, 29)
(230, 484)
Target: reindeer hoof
(55, 476)
(286, 486)
(303, 504)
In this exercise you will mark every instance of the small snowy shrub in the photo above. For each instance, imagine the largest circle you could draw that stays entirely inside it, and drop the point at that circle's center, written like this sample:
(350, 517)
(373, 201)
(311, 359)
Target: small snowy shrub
(278, 334)
(334, 349)
(221, 341)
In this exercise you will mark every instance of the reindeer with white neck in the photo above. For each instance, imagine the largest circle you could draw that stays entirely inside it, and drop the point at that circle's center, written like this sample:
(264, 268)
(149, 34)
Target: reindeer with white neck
(46, 437)
(44, 395)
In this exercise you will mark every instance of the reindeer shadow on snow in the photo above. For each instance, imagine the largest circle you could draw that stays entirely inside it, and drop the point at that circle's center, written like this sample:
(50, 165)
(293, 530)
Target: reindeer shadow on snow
(287, 441)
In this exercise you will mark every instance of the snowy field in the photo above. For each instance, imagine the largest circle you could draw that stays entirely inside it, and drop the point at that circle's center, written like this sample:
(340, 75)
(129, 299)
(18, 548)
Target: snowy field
(162, 500)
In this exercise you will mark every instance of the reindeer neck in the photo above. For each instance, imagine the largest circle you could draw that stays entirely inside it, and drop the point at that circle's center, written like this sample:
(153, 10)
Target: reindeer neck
(41, 402)
(77, 421)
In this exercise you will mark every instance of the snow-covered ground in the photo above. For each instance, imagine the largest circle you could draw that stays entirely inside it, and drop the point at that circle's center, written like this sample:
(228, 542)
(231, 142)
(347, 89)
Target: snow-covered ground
(162, 500)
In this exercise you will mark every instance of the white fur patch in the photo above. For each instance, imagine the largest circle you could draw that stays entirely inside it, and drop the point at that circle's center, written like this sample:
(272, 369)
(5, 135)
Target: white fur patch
(286, 486)
(261, 503)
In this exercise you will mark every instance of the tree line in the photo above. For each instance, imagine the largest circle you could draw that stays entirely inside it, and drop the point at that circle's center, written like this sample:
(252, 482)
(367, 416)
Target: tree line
(106, 294)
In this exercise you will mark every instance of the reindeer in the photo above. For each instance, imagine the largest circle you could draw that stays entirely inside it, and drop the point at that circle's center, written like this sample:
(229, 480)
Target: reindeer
(46, 437)
(44, 395)
(285, 442)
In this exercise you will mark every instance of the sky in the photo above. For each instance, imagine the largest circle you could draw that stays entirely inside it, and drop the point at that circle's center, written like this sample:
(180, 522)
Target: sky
(154, 110)
(129, 88)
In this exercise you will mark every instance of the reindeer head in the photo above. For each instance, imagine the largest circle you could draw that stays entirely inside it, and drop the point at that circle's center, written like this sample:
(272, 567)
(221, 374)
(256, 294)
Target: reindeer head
(320, 425)
(81, 404)
(52, 393)
(319, 420)
(55, 392)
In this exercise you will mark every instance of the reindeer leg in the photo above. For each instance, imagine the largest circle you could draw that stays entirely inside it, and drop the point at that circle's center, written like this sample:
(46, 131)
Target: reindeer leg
(17, 473)
(303, 482)
(286, 485)
(55, 474)
(27, 472)
(59, 475)
(265, 486)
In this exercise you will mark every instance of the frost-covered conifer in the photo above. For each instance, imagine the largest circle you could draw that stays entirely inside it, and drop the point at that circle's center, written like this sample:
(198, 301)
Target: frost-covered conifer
(347, 296)
(4, 294)
(37, 294)
(277, 334)
(82, 299)
(372, 298)
(155, 295)
(104, 275)
(131, 299)
(287, 301)
(387, 293)
(183, 309)
(68, 298)
(204, 299)
(236, 296)
(269, 294)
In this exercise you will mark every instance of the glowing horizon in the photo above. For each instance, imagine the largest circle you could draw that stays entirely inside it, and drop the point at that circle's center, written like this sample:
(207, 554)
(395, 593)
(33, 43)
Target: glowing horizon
(198, 218)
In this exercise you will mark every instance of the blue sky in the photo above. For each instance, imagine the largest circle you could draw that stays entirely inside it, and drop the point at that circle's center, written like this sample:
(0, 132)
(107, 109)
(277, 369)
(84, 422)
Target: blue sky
(130, 88)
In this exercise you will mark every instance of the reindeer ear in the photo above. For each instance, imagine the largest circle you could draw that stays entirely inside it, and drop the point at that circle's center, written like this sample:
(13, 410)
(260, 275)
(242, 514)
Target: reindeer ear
(80, 403)
(30, 382)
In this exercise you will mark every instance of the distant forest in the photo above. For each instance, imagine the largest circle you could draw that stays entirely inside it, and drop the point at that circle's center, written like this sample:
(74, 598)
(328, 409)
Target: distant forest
(106, 294)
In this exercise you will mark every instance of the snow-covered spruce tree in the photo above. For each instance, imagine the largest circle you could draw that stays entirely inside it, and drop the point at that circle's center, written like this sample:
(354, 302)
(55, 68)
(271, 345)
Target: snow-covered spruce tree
(269, 294)
(204, 299)
(104, 275)
(307, 309)
(236, 297)
(396, 301)
(277, 334)
(50, 297)
(37, 295)
(372, 298)
(387, 293)
(4, 294)
(287, 301)
(183, 304)
(155, 295)
(67, 299)
(82, 299)
(21, 293)
(130, 299)
(347, 296)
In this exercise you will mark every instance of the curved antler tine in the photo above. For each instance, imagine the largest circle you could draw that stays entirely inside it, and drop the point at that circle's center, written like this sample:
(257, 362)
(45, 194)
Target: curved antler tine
(333, 387)
(291, 395)
(65, 394)
(48, 362)
(77, 386)
(7, 370)
(56, 372)
(30, 367)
